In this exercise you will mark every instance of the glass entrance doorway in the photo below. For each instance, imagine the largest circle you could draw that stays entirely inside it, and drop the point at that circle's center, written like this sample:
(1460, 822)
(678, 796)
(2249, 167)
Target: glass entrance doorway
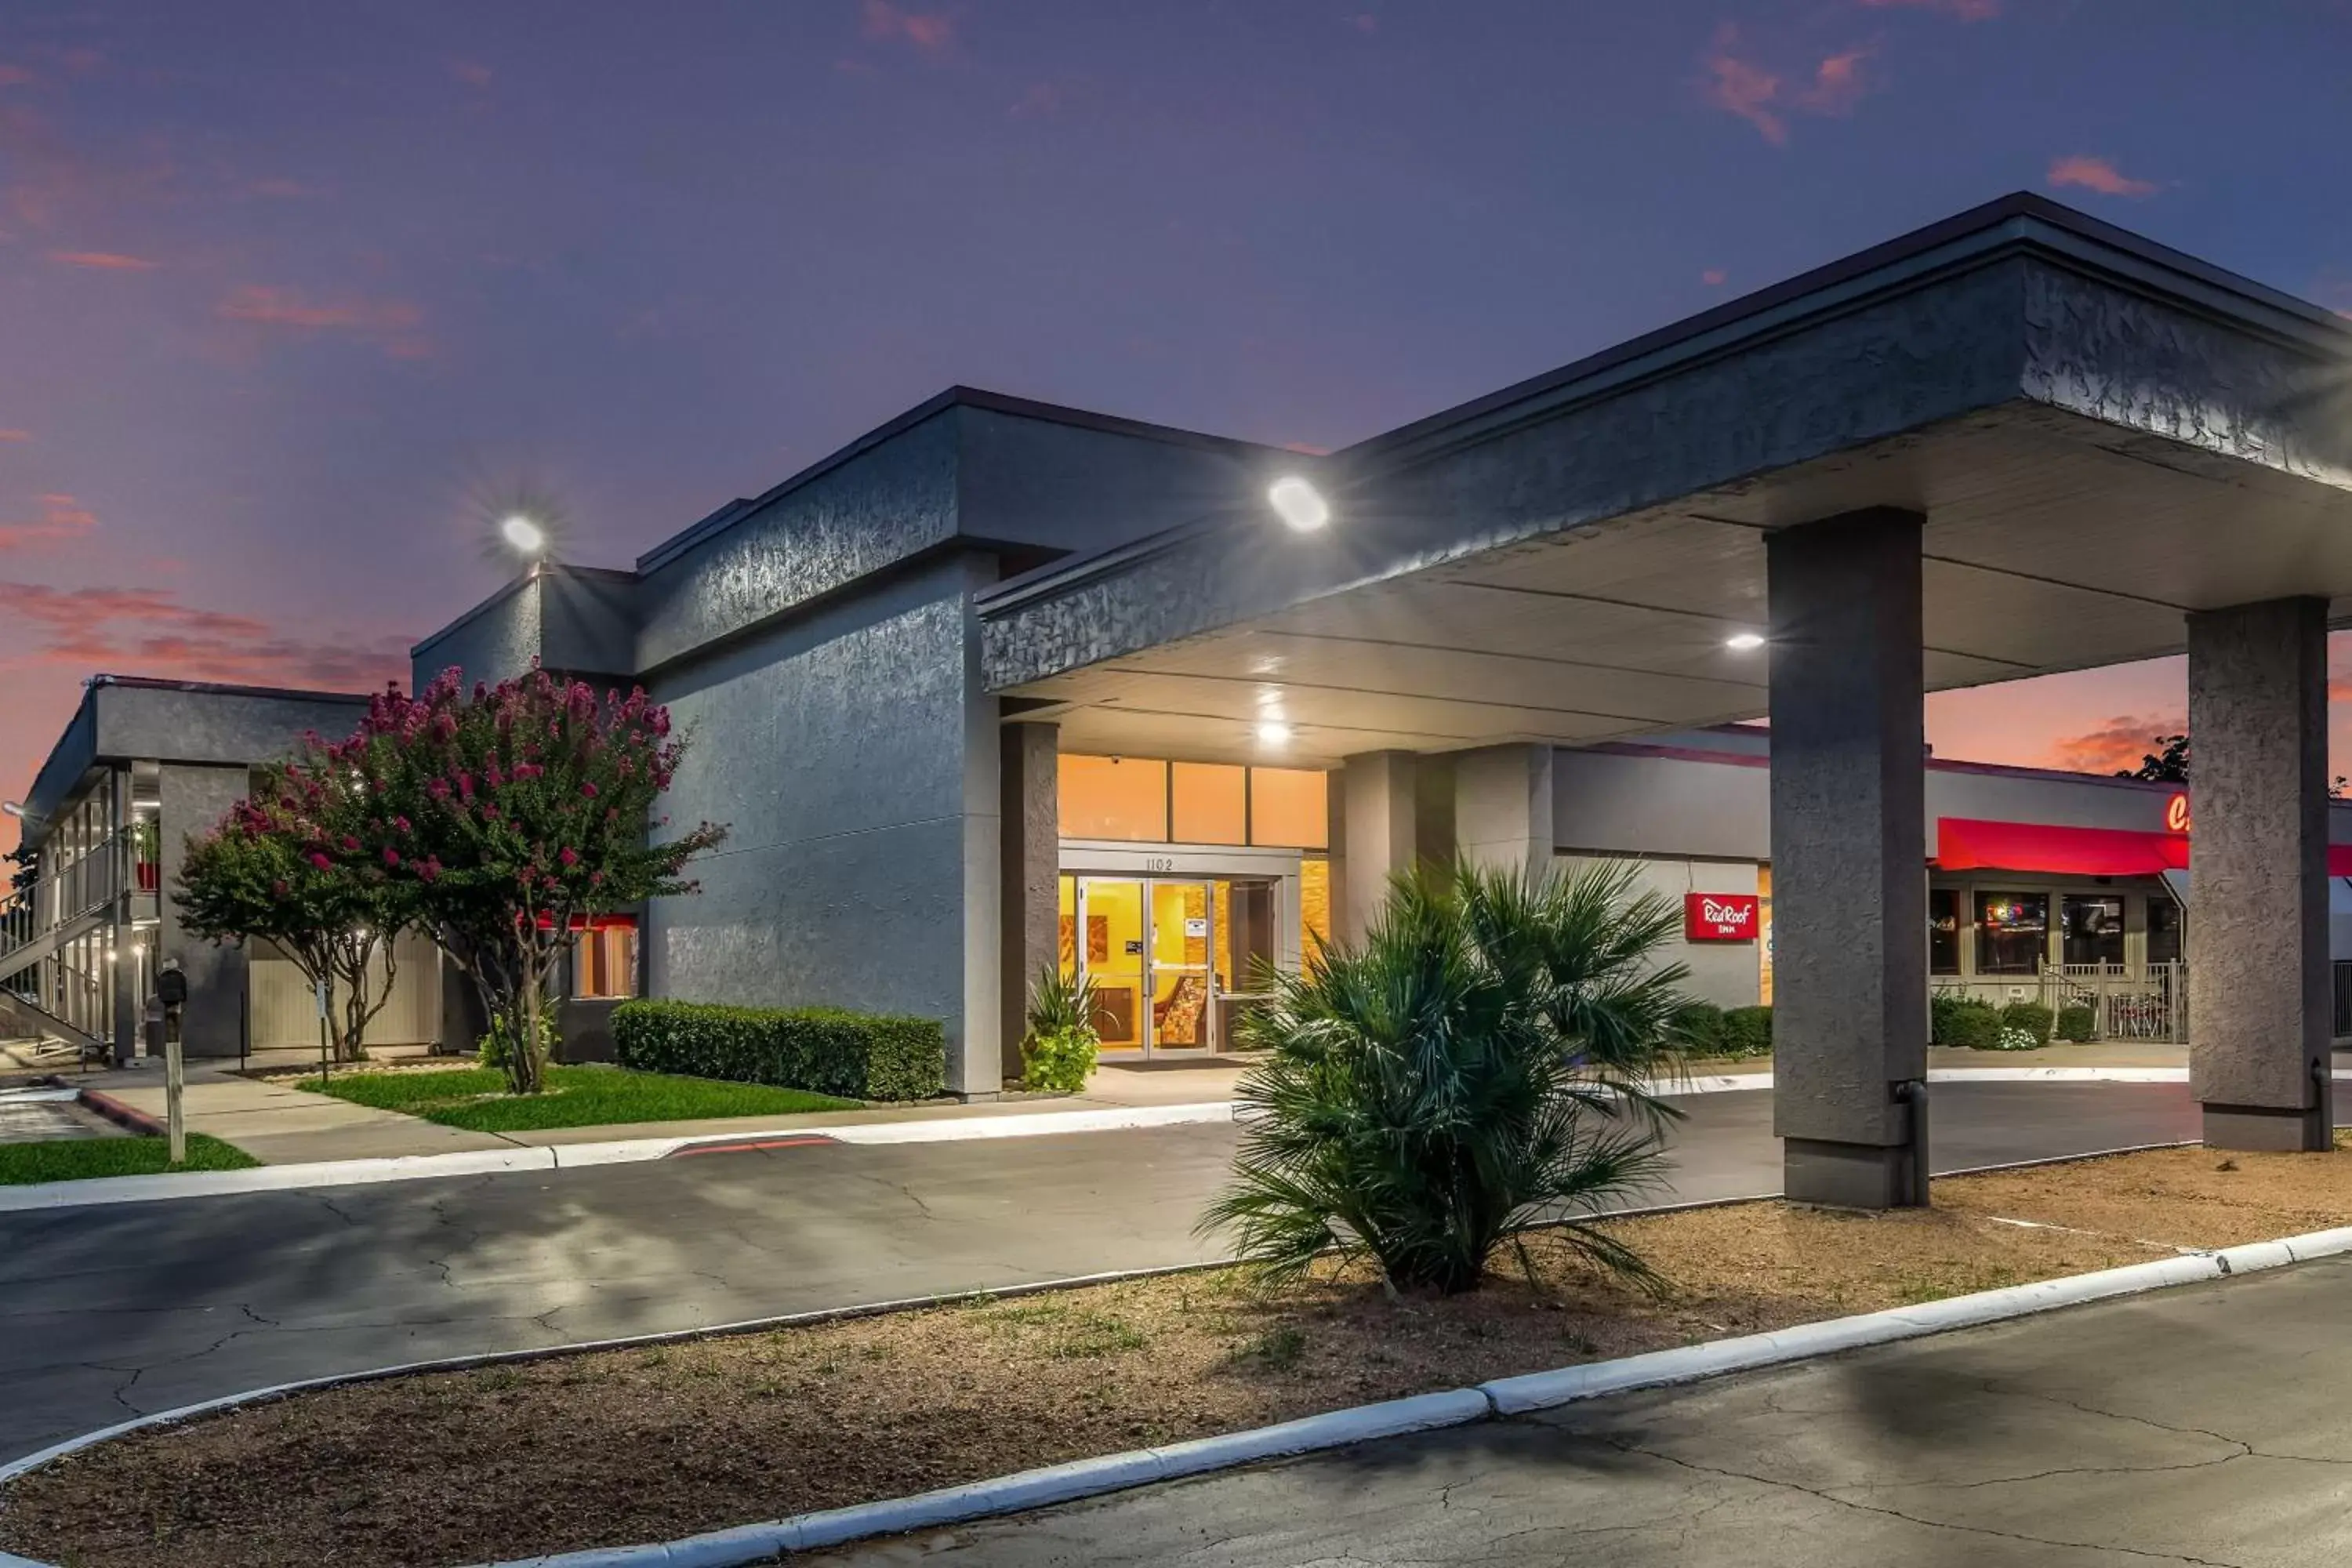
(1151, 947)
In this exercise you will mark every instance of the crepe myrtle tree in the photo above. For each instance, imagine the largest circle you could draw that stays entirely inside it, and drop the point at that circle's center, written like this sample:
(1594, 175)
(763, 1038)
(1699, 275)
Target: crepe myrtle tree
(512, 811)
(291, 863)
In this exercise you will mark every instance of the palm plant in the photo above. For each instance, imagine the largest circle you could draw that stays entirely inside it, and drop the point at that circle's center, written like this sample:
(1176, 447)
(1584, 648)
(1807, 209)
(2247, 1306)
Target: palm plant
(1480, 1064)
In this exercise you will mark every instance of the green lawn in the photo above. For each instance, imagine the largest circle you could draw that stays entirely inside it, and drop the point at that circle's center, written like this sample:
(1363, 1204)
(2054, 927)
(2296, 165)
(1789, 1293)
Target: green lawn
(73, 1159)
(476, 1098)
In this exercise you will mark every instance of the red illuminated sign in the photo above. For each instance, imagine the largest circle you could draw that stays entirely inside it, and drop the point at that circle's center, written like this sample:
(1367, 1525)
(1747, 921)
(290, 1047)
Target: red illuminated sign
(2176, 814)
(1720, 917)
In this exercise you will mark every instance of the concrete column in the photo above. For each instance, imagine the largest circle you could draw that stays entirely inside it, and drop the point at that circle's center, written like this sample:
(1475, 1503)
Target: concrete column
(1849, 852)
(1380, 810)
(1032, 867)
(194, 799)
(1503, 807)
(2258, 981)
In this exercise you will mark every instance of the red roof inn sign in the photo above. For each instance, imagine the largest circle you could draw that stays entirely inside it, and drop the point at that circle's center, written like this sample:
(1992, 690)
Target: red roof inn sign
(1720, 917)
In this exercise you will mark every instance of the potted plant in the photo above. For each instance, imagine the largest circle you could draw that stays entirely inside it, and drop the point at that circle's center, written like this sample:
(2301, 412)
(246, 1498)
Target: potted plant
(1058, 1052)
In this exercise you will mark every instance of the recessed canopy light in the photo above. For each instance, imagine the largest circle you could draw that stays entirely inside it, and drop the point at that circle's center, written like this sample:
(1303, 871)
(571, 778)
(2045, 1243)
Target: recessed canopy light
(1743, 642)
(1299, 504)
(1273, 733)
(523, 535)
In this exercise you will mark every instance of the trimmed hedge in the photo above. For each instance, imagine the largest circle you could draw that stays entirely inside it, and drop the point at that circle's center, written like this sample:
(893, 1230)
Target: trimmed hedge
(1957, 1020)
(1747, 1032)
(2030, 1017)
(2075, 1023)
(860, 1055)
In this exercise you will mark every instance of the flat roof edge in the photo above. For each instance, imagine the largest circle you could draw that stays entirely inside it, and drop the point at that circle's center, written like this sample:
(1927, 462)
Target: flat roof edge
(956, 397)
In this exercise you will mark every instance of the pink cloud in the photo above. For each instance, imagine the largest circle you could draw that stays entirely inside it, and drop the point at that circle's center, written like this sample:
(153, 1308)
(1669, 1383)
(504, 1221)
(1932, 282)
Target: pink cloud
(104, 261)
(2117, 744)
(470, 73)
(394, 325)
(2098, 174)
(1364, 22)
(61, 518)
(1966, 10)
(15, 436)
(1740, 87)
(13, 75)
(1714, 276)
(1837, 83)
(929, 31)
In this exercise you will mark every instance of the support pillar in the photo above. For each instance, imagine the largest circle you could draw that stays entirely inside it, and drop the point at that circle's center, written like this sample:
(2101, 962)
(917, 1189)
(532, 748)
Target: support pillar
(2259, 1004)
(1503, 807)
(1379, 831)
(1032, 867)
(1849, 855)
(126, 1005)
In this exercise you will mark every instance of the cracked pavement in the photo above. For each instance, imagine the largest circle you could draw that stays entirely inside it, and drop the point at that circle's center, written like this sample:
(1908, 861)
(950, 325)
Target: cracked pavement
(2210, 1425)
(122, 1310)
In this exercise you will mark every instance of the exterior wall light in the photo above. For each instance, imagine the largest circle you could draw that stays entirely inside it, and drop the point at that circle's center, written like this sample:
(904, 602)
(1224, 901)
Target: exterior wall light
(523, 535)
(1273, 733)
(1299, 504)
(1744, 642)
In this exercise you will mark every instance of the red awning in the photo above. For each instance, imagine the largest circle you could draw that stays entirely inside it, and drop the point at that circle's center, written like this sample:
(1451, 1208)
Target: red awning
(1966, 843)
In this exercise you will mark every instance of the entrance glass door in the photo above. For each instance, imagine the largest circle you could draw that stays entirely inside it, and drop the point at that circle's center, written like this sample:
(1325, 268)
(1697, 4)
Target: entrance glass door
(1181, 921)
(1146, 944)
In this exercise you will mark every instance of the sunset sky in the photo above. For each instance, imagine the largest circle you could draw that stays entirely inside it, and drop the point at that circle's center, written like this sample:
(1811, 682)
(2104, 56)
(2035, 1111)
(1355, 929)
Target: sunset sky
(293, 296)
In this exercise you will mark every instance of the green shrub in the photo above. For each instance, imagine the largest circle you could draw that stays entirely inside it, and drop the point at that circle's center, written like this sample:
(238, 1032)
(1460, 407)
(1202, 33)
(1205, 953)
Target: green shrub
(2076, 1023)
(1701, 1028)
(1956, 1020)
(2030, 1017)
(1747, 1032)
(828, 1050)
(495, 1049)
(1476, 1067)
(1058, 1052)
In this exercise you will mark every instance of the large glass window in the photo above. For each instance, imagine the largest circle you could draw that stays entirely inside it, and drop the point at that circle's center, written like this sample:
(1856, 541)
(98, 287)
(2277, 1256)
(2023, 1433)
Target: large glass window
(2164, 925)
(2091, 928)
(1314, 909)
(1943, 930)
(1114, 797)
(1210, 804)
(1290, 807)
(2013, 932)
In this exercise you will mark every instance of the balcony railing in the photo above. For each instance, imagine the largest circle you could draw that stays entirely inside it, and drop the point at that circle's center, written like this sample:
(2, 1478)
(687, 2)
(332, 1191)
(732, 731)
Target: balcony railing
(77, 888)
(2127, 1001)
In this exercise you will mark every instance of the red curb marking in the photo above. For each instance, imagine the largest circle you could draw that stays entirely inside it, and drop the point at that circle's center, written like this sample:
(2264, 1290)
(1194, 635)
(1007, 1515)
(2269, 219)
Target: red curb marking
(114, 1111)
(799, 1142)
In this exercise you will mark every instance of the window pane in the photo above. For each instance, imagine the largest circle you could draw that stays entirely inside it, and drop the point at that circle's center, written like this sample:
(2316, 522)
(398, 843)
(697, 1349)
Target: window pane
(2013, 932)
(1290, 807)
(1943, 930)
(2091, 928)
(1209, 801)
(604, 961)
(2163, 929)
(1314, 909)
(1114, 797)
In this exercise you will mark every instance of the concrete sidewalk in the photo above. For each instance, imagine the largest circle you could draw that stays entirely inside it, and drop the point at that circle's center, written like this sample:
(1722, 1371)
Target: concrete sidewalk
(280, 1124)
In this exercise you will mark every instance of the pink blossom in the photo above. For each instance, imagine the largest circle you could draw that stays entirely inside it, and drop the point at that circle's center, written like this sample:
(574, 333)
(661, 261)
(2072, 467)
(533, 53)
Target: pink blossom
(351, 845)
(391, 856)
(430, 868)
(588, 789)
(320, 861)
(570, 858)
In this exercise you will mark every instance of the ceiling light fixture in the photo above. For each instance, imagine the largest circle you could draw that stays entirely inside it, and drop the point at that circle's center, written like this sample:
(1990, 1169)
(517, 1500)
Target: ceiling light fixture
(1273, 733)
(1744, 642)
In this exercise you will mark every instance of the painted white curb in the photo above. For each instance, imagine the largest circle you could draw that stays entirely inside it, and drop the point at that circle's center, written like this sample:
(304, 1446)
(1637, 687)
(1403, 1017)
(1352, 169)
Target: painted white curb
(751, 1543)
(569, 1157)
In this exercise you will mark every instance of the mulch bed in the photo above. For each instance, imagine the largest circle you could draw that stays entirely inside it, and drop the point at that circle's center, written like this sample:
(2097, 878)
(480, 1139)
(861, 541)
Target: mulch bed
(634, 1446)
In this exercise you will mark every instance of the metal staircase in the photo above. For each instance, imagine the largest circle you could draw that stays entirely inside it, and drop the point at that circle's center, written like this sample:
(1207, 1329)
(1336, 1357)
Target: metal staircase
(39, 921)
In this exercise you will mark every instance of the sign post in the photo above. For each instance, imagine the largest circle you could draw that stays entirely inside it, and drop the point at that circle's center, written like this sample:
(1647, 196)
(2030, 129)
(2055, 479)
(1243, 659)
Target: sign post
(172, 990)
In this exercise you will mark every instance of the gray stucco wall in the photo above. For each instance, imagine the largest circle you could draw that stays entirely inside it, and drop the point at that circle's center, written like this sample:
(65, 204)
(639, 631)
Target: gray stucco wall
(222, 727)
(837, 750)
(194, 799)
(1063, 486)
(492, 642)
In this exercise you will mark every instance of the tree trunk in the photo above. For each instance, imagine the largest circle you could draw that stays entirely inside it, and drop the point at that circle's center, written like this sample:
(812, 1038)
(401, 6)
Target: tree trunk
(525, 1068)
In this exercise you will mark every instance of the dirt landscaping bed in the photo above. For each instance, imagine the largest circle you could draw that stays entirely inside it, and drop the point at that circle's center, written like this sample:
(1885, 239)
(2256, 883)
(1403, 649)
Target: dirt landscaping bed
(634, 1446)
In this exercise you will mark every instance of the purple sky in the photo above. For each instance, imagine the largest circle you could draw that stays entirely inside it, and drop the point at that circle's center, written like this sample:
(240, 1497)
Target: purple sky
(291, 295)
